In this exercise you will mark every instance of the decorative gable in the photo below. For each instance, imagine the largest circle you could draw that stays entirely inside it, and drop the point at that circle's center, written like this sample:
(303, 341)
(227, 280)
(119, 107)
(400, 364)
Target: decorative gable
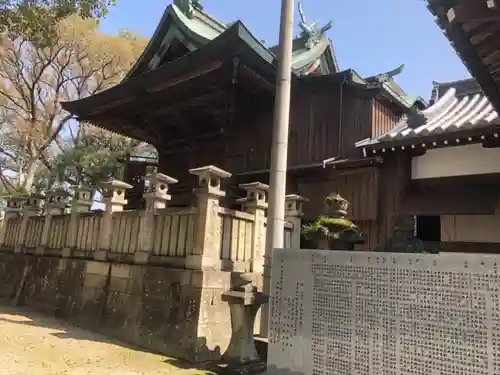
(184, 27)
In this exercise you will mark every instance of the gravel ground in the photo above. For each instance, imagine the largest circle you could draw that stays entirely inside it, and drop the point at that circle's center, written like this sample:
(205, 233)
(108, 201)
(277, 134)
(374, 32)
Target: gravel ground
(37, 345)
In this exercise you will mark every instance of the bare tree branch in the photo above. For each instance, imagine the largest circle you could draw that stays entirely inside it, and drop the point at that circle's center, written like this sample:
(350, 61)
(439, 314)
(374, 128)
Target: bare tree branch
(79, 61)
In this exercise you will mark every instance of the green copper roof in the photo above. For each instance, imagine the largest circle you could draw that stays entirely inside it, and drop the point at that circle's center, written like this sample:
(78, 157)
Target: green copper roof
(386, 82)
(388, 88)
(187, 22)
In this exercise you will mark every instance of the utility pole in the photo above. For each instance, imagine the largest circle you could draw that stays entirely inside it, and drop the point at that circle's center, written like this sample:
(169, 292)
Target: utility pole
(279, 147)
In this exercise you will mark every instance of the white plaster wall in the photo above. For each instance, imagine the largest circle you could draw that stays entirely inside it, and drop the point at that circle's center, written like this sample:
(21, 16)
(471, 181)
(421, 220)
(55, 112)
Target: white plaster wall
(456, 161)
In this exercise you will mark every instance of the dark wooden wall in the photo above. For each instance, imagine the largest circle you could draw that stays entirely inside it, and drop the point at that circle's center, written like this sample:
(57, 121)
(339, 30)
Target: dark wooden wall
(324, 123)
(393, 180)
(384, 116)
(358, 186)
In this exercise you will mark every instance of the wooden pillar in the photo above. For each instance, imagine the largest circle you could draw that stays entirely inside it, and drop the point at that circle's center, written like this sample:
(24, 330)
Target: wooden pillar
(114, 199)
(293, 213)
(256, 203)
(156, 198)
(206, 252)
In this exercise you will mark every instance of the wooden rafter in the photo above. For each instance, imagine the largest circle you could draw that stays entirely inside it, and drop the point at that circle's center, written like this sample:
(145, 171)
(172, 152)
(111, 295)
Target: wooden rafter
(480, 33)
(473, 10)
(191, 102)
(488, 48)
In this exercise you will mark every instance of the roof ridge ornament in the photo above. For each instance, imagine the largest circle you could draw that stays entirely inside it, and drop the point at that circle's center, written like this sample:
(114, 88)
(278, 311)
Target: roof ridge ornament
(311, 31)
(388, 76)
(188, 6)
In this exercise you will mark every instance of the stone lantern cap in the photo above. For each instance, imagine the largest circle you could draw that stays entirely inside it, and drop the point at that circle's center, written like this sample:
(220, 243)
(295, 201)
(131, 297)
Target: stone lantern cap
(16, 203)
(158, 186)
(209, 179)
(160, 177)
(35, 201)
(210, 171)
(336, 205)
(254, 186)
(293, 205)
(246, 295)
(115, 188)
(58, 197)
(84, 193)
(296, 197)
(256, 194)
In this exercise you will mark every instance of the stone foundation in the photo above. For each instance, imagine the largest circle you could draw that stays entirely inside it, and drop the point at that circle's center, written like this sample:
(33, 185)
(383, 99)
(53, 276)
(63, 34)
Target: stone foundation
(175, 312)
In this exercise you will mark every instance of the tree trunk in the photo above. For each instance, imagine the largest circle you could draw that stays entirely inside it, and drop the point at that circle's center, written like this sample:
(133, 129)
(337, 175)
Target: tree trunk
(29, 176)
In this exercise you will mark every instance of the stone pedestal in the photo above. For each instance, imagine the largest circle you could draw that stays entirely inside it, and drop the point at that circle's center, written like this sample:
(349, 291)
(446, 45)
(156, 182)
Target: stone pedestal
(82, 202)
(13, 210)
(244, 304)
(57, 202)
(32, 207)
(256, 203)
(206, 253)
(114, 199)
(156, 197)
(293, 213)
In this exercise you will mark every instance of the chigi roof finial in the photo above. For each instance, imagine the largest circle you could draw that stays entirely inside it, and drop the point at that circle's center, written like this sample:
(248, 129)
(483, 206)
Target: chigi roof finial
(311, 30)
(188, 6)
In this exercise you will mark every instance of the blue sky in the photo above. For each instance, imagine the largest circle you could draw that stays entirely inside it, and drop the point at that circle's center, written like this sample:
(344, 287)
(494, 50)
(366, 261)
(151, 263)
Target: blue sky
(369, 36)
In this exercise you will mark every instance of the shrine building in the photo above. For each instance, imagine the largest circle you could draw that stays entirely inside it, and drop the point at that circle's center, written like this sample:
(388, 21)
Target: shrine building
(203, 92)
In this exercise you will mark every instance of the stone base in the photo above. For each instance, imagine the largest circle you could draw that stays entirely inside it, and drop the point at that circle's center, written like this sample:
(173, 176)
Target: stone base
(249, 368)
(101, 255)
(39, 250)
(199, 262)
(142, 257)
(66, 252)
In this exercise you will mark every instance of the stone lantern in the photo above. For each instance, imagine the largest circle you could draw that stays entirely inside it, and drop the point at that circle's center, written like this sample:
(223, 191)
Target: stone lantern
(57, 201)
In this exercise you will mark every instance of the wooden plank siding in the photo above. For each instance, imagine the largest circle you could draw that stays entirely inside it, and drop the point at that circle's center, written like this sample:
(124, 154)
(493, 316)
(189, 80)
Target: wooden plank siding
(324, 122)
(356, 121)
(393, 180)
(384, 117)
(360, 187)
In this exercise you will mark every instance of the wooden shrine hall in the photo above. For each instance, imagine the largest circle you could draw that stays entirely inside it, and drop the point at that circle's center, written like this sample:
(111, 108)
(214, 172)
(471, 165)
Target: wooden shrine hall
(203, 93)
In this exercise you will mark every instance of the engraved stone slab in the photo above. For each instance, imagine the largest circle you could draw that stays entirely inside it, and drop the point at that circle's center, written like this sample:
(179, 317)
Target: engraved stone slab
(359, 313)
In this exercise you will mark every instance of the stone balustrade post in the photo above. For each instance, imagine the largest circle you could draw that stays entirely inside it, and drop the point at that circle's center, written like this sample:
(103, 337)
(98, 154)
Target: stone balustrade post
(156, 197)
(114, 199)
(256, 203)
(57, 202)
(82, 202)
(32, 207)
(206, 252)
(293, 214)
(13, 210)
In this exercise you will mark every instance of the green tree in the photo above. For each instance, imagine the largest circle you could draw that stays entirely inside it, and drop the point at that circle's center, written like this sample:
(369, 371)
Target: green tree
(95, 156)
(35, 132)
(37, 20)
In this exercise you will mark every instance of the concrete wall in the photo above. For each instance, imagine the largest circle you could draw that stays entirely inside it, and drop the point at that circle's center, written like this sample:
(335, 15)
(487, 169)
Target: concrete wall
(176, 312)
(344, 313)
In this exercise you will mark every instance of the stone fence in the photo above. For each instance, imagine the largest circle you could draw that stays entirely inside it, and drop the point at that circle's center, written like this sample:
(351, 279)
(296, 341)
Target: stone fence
(204, 236)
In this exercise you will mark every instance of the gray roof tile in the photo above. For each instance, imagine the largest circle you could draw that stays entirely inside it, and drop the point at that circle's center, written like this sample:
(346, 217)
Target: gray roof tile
(450, 113)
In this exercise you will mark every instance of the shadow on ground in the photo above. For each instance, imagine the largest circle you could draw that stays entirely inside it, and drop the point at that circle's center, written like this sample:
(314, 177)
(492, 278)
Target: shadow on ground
(63, 330)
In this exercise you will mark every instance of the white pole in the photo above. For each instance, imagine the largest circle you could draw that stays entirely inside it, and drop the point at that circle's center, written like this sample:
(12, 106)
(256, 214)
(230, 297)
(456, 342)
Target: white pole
(279, 150)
